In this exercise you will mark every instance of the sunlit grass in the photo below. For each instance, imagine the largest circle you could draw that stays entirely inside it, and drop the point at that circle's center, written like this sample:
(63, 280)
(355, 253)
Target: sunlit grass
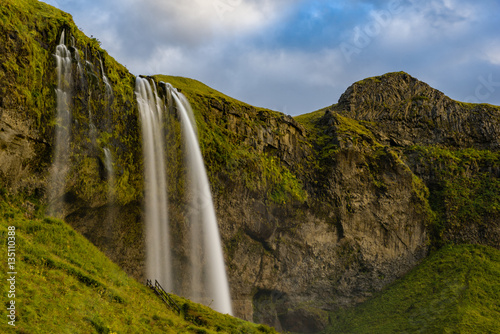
(66, 285)
(455, 290)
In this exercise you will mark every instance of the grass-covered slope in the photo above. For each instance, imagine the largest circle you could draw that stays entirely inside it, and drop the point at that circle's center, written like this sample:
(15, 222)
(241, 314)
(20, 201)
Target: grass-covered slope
(64, 284)
(455, 290)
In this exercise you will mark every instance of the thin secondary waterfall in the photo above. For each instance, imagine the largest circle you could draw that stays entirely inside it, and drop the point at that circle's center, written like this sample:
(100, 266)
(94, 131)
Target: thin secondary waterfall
(110, 174)
(109, 90)
(59, 167)
(158, 254)
(209, 280)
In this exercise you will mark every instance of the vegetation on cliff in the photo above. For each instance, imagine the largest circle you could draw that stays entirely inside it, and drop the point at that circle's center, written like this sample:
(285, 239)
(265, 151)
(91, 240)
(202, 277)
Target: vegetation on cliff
(229, 153)
(451, 148)
(30, 31)
(464, 188)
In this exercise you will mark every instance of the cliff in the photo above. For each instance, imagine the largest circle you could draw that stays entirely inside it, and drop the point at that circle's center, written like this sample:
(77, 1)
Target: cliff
(316, 212)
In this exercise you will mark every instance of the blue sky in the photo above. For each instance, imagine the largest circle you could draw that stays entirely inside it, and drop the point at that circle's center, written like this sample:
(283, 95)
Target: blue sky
(297, 56)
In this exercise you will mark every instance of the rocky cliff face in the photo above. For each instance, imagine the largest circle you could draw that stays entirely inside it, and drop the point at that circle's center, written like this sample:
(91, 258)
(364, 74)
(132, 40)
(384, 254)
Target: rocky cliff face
(316, 213)
(409, 112)
(452, 146)
(362, 226)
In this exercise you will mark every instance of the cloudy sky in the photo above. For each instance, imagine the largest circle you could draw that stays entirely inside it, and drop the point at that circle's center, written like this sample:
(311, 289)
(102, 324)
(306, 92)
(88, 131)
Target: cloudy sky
(297, 56)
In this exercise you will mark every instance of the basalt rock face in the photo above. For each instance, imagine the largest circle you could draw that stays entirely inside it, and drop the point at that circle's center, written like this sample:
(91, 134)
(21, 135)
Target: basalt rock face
(315, 212)
(452, 146)
(362, 226)
(408, 112)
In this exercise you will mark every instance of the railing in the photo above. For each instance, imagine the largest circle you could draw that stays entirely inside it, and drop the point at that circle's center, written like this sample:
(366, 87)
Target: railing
(167, 299)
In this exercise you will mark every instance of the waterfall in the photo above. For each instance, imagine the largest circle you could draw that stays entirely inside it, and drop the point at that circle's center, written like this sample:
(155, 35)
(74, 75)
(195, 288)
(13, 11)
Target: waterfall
(110, 174)
(79, 66)
(59, 167)
(158, 257)
(109, 90)
(209, 280)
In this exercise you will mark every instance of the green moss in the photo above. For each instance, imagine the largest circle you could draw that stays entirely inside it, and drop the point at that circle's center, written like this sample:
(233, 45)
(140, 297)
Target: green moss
(420, 98)
(463, 191)
(310, 120)
(455, 290)
(354, 129)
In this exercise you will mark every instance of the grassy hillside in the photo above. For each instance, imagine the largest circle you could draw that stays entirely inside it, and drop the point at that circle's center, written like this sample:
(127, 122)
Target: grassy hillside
(66, 285)
(455, 290)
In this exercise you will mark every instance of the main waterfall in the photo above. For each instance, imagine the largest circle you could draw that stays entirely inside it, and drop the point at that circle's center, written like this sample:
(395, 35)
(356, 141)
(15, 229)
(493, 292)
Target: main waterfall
(207, 280)
(158, 257)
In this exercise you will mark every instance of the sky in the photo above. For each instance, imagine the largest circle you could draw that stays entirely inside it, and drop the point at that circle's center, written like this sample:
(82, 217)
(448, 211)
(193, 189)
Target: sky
(297, 56)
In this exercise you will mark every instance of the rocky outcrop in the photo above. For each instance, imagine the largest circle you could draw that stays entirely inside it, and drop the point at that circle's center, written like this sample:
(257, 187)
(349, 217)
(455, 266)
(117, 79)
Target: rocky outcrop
(362, 226)
(407, 111)
(266, 131)
(452, 146)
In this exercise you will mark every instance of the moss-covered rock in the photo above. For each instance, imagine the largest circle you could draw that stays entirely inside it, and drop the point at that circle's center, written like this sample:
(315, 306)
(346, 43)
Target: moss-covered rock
(410, 112)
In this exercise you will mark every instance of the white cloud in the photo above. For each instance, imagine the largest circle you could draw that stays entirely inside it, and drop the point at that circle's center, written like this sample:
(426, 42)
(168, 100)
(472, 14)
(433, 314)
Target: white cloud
(492, 52)
(244, 48)
(301, 67)
(432, 20)
(199, 21)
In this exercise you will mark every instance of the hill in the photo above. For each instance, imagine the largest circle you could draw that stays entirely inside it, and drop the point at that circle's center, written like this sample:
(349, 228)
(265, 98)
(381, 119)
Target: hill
(64, 284)
(455, 290)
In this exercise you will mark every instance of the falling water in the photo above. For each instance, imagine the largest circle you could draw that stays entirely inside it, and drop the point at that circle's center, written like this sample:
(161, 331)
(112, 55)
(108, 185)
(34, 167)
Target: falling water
(209, 272)
(109, 90)
(158, 257)
(78, 60)
(110, 174)
(59, 167)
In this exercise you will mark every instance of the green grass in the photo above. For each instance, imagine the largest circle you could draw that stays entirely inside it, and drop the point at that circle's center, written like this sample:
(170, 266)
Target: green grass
(310, 120)
(345, 127)
(66, 285)
(194, 88)
(455, 290)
